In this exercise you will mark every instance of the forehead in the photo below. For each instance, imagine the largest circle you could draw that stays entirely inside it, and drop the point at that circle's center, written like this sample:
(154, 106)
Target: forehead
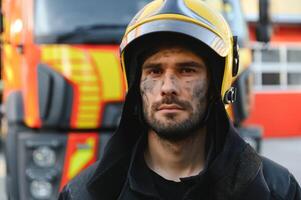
(180, 52)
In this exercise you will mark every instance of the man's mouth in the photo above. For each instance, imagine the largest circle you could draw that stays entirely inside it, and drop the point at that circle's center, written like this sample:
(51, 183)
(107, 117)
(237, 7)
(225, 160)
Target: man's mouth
(170, 107)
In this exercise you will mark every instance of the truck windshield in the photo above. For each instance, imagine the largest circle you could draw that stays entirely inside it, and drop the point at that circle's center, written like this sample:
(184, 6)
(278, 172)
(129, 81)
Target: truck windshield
(83, 21)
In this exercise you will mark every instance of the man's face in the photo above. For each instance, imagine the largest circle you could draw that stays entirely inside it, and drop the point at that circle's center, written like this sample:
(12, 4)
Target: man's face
(173, 86)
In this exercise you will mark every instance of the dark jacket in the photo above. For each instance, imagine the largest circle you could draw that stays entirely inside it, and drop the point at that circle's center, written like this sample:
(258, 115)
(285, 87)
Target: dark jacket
(252, 178)
(234, 171)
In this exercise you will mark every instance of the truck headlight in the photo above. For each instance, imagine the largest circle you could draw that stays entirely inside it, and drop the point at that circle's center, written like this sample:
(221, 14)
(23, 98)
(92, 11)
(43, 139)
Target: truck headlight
(41, 189)
(44, 156)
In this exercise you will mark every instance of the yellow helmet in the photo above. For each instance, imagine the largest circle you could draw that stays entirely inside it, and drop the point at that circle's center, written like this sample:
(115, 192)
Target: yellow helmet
(191, 19)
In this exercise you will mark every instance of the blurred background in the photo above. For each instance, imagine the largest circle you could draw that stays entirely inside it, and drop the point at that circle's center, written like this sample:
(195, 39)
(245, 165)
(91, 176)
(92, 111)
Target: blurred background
(62, 86)
(277, 82)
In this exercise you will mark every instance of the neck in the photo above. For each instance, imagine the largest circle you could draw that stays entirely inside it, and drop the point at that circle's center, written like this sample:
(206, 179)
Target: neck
(175, 160)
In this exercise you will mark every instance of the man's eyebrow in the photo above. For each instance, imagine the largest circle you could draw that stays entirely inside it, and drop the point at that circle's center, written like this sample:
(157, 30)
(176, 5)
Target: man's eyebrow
(180, 64)
(151, 65)
(191, 64)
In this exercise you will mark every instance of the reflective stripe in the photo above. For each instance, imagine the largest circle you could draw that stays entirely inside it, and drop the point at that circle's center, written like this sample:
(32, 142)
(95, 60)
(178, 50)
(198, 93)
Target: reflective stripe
(193, 30)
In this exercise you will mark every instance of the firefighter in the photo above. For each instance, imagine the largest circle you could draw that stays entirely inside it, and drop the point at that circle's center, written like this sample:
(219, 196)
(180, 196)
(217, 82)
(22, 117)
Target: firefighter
(175, 140)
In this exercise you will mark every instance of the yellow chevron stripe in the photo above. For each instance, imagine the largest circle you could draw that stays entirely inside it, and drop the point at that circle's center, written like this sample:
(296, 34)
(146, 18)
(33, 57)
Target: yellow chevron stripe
(47, 54)
(8, 71)
(81, 78)
(89, 88)
(87, 124)
(86, 115)
(88, 108)
(104, 83)
(8, 50)
(63, 51)
(73, 53)
(76, 66)
(82, 67)
(90, 98)
(80, 158)
(109, 74)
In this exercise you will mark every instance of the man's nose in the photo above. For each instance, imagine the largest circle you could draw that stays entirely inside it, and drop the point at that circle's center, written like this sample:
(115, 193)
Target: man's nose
(170, 85)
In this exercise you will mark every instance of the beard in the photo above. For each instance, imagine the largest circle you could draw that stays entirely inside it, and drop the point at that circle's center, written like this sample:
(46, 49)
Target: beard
(172, 129)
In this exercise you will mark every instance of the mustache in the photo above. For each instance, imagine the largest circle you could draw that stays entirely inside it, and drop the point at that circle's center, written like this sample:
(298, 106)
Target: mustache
(172, 100)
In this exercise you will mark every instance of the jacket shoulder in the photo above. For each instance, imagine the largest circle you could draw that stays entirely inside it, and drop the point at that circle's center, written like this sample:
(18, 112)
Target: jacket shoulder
(76, 189)
(280, 181)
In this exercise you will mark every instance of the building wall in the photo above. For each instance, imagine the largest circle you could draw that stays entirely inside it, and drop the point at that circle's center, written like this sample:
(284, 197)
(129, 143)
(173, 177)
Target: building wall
(281, 10)
(277, 69)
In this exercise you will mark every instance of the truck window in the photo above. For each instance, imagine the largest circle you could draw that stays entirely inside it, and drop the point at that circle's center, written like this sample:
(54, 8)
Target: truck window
(61, 21)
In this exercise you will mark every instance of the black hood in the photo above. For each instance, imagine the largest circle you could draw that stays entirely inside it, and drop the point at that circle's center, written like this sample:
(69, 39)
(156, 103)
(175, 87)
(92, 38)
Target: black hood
(224, 148)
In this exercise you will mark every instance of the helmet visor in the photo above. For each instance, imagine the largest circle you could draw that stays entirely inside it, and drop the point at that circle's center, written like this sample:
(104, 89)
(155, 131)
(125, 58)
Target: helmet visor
(203, 34)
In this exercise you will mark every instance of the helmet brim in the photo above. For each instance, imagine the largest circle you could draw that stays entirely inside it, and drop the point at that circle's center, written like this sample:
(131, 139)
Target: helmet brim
(204, 35)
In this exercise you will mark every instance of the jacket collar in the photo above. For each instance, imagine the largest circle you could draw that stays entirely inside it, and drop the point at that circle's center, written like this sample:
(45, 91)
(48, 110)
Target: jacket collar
(230, 173)
(235, 168)
(139, 172)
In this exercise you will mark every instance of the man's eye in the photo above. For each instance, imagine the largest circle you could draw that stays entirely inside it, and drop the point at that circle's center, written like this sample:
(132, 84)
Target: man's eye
(188, 70)
(155, 71)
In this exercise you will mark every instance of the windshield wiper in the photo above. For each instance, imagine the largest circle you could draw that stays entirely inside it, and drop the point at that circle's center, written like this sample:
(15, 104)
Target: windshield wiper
(99, 26)
(82, 31)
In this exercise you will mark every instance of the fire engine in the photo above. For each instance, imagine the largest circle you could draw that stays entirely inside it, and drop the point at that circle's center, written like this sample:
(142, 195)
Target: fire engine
(63, 88)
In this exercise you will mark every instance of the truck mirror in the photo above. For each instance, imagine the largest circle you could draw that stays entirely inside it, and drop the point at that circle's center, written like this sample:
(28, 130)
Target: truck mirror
(264, 24)
(1, 22)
